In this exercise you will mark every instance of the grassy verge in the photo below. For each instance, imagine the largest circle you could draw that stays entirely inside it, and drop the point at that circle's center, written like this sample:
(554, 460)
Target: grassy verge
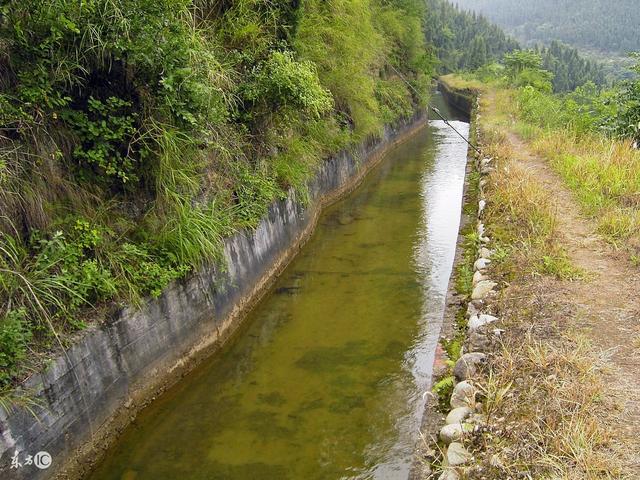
(546, 405)
(548, 412)
(604, 173)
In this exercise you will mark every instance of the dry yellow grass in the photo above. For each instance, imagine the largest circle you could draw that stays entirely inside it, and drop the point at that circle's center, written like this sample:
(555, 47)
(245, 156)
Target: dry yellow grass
(604, 174)
(551, 410)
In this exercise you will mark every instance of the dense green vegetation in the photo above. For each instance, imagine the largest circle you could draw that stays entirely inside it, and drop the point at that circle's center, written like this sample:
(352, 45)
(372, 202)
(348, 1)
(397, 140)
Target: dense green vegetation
(464, 40)
(570, 69)
(612, 112)
(467, 41)
(136, 134)
(610, 26)
(590, 136)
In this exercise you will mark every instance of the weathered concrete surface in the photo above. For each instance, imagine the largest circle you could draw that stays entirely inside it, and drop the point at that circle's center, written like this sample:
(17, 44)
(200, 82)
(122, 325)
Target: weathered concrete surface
(461, 99)
(95, 389)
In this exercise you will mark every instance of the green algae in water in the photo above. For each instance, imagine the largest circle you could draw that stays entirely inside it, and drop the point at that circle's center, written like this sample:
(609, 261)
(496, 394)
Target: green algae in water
(320, 383)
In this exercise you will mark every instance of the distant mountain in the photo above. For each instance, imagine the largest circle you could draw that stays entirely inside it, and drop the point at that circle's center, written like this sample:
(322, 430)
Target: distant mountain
(606, 26)
(466, 41)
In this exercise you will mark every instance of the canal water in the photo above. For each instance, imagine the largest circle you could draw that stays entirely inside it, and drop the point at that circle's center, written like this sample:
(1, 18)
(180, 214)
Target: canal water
(325, 378)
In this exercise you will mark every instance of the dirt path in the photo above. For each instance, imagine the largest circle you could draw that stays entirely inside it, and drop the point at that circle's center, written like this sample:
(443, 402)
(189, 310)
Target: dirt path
(607, 302)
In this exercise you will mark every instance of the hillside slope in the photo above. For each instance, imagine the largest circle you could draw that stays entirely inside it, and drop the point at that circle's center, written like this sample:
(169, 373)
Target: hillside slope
(136, 134)
(590, 24)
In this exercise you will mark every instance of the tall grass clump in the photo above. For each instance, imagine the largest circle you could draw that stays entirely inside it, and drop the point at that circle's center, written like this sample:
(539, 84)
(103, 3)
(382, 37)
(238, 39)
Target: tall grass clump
(523, 217)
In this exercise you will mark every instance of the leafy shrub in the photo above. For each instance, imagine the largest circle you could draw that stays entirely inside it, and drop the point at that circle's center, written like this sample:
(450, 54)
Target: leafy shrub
(141, 270)
(625, 122)
(107, 133)
(15, 335)
(287, 83)
(70, 258)
(540, 108)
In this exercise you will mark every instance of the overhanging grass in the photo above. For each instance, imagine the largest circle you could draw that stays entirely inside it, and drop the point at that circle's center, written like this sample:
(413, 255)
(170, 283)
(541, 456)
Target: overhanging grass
(161, 126)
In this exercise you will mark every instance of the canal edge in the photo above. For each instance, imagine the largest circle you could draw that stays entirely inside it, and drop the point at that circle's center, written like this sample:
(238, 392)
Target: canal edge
(429, 454)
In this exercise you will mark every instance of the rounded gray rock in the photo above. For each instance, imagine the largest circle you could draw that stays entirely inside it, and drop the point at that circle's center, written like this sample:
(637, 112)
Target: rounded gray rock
(464, 395)
(449, 474)
(478, 277)
(482, 289)
(485, 252)
(458, 415)
(478, 341)
(478, 321)
(481, 264)
(469, 365)
(472, 310)
(458, 455)
(454, 432)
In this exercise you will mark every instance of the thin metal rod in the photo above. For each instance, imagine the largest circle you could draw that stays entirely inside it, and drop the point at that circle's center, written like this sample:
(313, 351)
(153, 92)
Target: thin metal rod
(455, 130)
(436, 110)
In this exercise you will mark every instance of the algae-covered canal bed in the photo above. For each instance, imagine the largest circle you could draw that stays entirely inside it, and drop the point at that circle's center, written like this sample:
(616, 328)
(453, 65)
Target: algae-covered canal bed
(325, 378)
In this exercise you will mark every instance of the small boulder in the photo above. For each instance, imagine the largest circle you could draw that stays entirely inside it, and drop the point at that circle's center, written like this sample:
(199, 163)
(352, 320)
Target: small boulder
(471, 310)
(468, 365)
(458, 455)
(449, 474)
(478, 341)
(458, 415)
(481, 264)
(478, 321)
(482, 289)
(482, 204)
(479, 304)
(480, 229)
(478, 277)
(454, 432)
(464, 395)
(486, 253)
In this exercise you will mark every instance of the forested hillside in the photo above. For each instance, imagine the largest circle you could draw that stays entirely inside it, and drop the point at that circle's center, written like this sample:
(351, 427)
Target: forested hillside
(136, 134)
(605, 25)
(464, 40)
(570, 69)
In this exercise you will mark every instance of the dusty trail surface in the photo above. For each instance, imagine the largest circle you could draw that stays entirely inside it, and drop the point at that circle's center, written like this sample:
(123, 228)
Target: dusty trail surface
(605, 304)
